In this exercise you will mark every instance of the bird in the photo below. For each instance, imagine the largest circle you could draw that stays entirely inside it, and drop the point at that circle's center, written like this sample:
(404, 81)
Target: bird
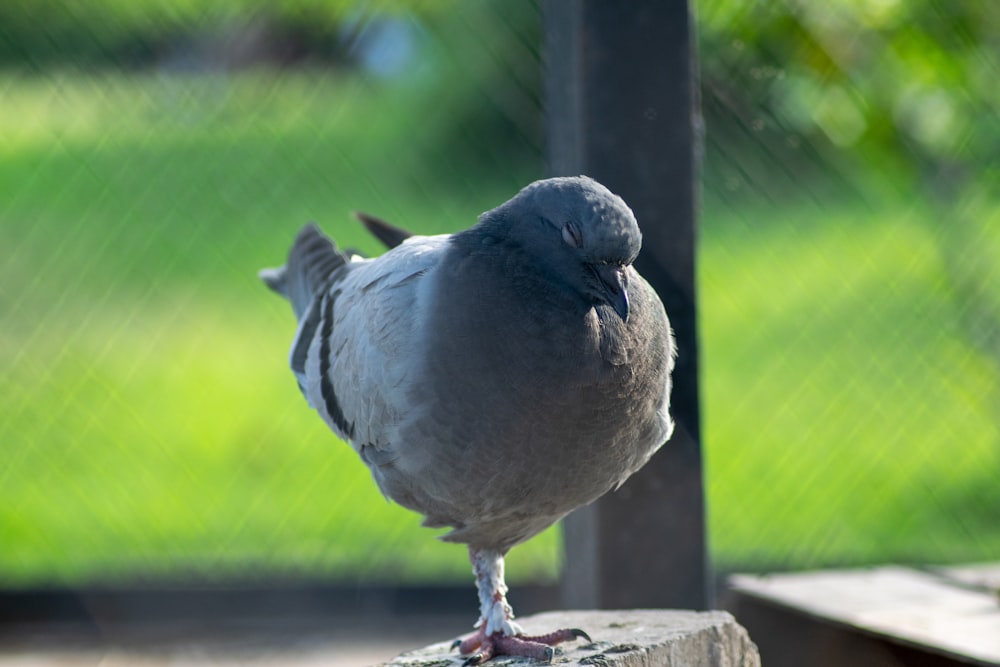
(494, 379)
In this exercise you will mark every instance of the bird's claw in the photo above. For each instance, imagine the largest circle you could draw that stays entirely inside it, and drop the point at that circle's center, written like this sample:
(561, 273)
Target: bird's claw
(487, 649)
(558, 637)
(538, 648)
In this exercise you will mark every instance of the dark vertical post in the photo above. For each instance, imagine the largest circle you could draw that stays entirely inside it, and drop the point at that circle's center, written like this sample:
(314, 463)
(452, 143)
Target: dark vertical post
(621, 107)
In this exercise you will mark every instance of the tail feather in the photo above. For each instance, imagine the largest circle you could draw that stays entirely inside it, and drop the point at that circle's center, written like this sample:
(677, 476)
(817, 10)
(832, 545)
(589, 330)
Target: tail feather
(388, 234)
(312, 259)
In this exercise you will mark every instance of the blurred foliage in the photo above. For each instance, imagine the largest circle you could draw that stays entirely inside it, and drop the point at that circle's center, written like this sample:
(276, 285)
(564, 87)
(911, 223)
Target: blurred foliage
(793, 83)
(113, 33)
(865, 99)
(903, 86)
(489, 78)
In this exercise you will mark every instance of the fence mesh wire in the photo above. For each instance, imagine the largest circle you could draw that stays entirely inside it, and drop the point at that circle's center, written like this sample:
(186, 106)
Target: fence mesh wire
(156, 155)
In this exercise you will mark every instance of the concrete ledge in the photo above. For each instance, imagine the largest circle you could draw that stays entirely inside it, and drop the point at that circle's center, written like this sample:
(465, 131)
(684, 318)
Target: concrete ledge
(635, 638)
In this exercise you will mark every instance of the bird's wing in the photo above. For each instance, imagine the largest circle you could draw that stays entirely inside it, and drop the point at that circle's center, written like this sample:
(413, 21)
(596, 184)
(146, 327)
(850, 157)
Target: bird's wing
(361, 352)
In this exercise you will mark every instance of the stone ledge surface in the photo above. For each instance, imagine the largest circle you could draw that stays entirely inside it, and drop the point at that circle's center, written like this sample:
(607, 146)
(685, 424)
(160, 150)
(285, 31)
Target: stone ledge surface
(631, 638)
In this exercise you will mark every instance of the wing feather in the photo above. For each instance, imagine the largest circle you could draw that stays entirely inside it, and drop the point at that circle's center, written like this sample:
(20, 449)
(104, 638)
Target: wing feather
(362, 341)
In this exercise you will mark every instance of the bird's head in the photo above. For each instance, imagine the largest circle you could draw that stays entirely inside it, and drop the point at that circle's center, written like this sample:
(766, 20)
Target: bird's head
(579, 231)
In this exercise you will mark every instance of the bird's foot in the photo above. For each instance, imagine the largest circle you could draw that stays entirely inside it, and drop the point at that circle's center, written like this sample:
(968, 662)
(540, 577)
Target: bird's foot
(480, 647)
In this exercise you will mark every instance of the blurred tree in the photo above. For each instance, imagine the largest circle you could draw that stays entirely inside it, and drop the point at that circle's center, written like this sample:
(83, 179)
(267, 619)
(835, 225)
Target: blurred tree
(114, 33)
(870, 97)
(898, 85)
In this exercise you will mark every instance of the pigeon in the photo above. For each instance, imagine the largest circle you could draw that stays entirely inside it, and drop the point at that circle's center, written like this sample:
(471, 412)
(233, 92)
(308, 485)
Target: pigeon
(493, 380)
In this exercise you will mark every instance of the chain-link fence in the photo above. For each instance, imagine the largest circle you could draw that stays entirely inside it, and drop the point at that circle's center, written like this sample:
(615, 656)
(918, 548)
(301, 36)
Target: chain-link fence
(849, 280)
(155, 155)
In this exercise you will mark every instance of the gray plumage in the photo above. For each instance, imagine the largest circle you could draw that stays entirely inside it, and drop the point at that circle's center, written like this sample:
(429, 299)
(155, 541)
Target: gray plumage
(495, 379)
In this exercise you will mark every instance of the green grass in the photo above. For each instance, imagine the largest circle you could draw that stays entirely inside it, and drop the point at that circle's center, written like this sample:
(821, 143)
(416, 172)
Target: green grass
(849, 419)
(150, 427)
(149, 422)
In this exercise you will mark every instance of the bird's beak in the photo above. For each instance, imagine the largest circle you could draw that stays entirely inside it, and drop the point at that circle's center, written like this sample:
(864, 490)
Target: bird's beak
(615, 282)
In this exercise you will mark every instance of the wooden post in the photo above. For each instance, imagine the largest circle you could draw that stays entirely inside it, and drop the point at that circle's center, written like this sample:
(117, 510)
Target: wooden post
(621, 107)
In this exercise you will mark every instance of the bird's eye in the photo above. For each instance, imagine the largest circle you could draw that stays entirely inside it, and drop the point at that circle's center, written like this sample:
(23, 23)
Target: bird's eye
(571, 235)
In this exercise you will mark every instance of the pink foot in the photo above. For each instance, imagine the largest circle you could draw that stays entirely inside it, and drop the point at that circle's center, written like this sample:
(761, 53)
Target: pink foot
(479, 648)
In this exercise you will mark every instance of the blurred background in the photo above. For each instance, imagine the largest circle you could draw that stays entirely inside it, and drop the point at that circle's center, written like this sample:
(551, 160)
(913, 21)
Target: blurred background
(154, 154)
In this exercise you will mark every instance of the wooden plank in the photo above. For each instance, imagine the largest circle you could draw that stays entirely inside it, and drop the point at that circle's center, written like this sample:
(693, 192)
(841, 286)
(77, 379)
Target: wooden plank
(621, 108)
(899, 604)
(984, 576)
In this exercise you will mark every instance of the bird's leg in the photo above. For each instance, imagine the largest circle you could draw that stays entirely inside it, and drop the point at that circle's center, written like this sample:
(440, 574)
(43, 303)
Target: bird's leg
(496, 633)
(495, 612)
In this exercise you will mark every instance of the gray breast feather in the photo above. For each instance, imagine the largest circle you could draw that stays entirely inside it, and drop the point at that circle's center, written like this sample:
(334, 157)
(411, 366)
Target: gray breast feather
(524, 417)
